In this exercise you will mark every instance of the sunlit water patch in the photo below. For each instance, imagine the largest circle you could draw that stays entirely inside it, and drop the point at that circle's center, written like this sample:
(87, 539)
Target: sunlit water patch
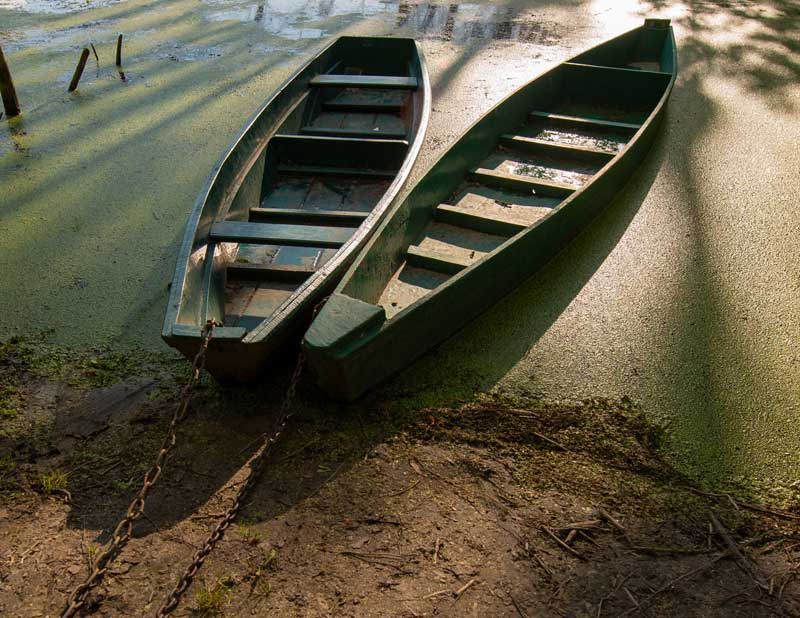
(458, 23)
(54, 6)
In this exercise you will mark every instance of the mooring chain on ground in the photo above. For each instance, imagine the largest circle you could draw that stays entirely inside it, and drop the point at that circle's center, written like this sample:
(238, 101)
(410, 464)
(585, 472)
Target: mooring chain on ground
(256, 465)
(124, 530)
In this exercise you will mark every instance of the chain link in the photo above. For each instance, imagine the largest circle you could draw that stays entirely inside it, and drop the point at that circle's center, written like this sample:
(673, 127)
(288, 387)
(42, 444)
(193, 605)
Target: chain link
(124, 530)
(256, 465)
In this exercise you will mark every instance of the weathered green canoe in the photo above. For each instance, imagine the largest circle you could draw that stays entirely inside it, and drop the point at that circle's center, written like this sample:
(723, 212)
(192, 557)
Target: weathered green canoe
(296, 196)
(519, 184)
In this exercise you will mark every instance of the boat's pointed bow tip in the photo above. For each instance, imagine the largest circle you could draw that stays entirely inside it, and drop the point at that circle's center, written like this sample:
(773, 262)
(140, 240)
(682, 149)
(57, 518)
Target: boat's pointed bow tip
(657, 22)
(341, 321)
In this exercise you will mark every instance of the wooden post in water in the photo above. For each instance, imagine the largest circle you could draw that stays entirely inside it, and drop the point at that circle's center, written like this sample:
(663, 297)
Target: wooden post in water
(76, 77)
(9, 95)
(96, 57)
(119, 50)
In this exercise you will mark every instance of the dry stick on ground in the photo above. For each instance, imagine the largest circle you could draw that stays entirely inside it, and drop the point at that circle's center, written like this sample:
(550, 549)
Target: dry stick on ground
(611, 594)
(76, 76)
(745, 505)
(464, 588)
(550, 441)
(436, 550)
(749, 567)
(671, 583)
(615, 524)
(561, 543)
(7, 91)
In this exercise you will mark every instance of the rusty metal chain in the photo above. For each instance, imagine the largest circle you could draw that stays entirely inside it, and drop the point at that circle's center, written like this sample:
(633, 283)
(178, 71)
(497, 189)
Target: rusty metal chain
(124, 530)
(256, 464)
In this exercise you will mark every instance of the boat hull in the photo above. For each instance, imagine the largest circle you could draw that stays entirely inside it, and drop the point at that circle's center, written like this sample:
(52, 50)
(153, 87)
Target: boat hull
(350, 355)
(312, 131)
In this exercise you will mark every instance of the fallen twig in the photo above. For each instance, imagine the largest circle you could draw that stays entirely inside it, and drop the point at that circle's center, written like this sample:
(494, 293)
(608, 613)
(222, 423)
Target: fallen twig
(464, 588)
(561, 543)
(550, 441)
(749, 567)
(402, 491)
(436, 550)
(751, 507)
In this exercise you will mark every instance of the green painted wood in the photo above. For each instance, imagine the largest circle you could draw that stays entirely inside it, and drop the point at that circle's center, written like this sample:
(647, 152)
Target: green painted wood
(248, 171)
(563, 119)
(348, 101)
(347, 371)
(273, 272)
(327, 170)
(365, 81)
(554, 149)
(475, 220)
(221, 333)
(435, 261)
(346, 151)
(521, 183)
(363, 133)
(350, 218)
(280, 234)
(601, 68)
(352, 319)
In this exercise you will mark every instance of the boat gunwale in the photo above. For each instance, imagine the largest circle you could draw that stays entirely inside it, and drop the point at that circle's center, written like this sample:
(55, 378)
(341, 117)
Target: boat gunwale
(645, 127)
(191, 238)
(366, 229)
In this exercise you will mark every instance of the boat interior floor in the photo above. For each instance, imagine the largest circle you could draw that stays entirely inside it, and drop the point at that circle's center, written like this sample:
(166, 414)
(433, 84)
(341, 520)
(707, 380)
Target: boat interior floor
(554, 153)
(327, 176)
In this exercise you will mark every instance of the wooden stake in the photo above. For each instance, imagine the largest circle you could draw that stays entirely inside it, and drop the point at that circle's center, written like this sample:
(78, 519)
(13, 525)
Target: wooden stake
(76, 77)
(119, 50)
(96, 57)
(9, 94)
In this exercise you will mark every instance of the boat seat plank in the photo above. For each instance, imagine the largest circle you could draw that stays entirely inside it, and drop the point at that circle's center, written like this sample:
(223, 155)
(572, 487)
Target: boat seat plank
(365, 81)
(521, 183)
(435, 260)
(602, 67)
(274, 272)
(366, 133)
(326, 170)
(350, 218)
(476, 220)
(556, 149)
(220, 332)
(584, 122)
(373, 100)
(280, 234)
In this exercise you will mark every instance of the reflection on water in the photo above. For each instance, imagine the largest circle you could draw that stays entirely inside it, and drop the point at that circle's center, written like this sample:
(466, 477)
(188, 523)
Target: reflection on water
(54, 6)
(459, 23)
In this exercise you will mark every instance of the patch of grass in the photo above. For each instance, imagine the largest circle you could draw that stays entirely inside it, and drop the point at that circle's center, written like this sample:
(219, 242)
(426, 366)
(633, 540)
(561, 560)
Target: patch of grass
(92, 552)
(55, 480)
(249, 533)
(8, 474)
(210, 600)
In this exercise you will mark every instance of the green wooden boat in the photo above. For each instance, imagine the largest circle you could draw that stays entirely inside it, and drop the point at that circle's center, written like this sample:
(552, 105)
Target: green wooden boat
(516, 186)
(296, 196)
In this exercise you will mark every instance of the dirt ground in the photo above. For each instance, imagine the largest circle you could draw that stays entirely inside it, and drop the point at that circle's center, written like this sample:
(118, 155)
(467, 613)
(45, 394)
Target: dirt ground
(487, 508)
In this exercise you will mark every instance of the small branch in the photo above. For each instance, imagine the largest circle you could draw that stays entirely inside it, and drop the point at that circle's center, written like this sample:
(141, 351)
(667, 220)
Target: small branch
(550, 441)
(464, 588)
(119, 51)
(749, 567)
(76, 76)
(561, 543)
(750, 507)
(96, 57)
(402, 491)
(7, 91)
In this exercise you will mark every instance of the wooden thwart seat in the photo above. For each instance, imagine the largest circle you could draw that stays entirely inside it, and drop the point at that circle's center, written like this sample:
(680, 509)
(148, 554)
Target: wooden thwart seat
(365, 81)
(323, 237)
(363, 133)
(475, 220)
(272, 272)
(585, 123)
(521, 183)
(435, 261)
(351, 218)
(326, 170)
(555, 149)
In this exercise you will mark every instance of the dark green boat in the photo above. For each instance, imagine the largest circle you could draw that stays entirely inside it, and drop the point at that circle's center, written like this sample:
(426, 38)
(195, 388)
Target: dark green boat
(506, 197)
(297, 195)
